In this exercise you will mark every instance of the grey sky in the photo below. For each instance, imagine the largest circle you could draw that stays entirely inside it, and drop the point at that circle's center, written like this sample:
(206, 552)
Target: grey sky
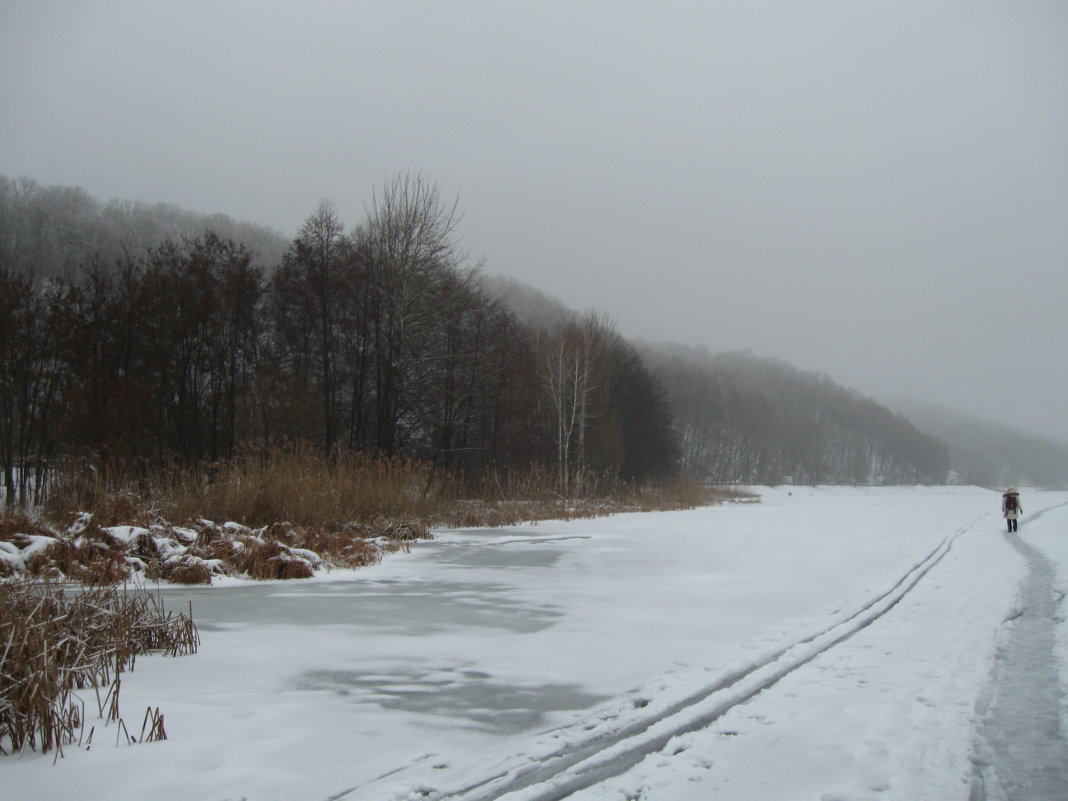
(875, 190)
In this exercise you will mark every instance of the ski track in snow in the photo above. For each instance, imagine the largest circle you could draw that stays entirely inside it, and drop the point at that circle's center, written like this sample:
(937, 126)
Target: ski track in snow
(622, 739)
(1021, 751)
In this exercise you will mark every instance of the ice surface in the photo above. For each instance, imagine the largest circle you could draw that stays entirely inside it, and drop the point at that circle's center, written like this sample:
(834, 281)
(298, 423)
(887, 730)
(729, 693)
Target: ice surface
(473, 666)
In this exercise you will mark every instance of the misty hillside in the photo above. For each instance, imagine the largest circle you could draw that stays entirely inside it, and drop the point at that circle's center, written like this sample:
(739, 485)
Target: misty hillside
(990, 454)
(741, 419)
(530, 306)
(744, 419)
(734, 418)
(52, 231)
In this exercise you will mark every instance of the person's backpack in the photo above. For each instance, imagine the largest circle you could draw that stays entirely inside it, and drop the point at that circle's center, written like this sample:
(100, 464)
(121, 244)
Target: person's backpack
(1010, 503)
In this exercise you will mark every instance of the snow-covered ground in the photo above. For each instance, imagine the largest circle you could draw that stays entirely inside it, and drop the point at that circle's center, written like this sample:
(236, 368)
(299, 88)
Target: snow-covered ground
(839, 644)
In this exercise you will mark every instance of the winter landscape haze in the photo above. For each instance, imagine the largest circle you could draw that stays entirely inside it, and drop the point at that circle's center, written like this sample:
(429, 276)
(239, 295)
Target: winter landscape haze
(826, 202)
(875, 191)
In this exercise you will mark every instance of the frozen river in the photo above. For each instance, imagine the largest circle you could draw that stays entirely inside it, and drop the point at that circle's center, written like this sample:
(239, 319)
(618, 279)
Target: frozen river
(827, 643)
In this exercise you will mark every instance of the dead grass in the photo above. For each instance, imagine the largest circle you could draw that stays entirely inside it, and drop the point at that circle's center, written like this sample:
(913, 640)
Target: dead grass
(96, 555)
(298, 485)
(291, 512)
(93, 554)
(63, 654)
(669, 496)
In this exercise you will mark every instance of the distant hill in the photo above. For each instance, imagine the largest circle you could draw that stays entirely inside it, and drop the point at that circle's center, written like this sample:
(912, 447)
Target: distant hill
(530, 306)
(737, 418)
(52, 231)
(742, 419)
(990, 454)
(750, 420)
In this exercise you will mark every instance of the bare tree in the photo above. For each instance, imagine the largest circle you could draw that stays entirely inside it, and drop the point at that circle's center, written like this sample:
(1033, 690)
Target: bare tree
(306, 298)
(32, 382)
(571, 373)
(409, 242)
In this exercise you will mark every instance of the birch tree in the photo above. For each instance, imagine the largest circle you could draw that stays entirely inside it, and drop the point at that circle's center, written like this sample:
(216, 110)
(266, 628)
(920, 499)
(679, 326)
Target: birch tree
(570, 374)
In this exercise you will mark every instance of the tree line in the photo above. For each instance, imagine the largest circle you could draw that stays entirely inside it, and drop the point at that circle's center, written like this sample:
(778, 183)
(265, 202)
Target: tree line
(381, 338)
(140, 337)
(748, 420)
(54, 231)
(991, 454)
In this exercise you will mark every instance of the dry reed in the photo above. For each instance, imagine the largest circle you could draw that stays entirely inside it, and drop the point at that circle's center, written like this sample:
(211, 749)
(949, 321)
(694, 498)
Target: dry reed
(299, 485)
(293, 511)
(57, 642)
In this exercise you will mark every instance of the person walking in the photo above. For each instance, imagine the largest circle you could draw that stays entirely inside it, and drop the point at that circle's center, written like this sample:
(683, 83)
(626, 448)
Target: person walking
(1011, 508)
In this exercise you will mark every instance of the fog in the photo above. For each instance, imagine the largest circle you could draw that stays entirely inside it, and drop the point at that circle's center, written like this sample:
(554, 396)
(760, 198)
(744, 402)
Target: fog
(874, 190)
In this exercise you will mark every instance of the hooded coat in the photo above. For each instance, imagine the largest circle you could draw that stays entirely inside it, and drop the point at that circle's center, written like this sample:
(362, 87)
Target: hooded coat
(1014, 513)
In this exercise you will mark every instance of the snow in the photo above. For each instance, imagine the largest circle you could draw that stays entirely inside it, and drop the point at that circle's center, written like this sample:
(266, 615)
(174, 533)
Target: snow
(839, 644)
(128, 535)
(36, 543)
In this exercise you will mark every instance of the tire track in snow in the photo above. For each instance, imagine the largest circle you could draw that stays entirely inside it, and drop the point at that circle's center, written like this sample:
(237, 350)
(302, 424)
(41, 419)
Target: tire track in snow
(1021, 752)
(602, 754)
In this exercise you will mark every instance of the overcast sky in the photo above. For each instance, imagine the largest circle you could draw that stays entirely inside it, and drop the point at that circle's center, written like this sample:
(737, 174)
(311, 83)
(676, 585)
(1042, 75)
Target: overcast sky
(876, 190)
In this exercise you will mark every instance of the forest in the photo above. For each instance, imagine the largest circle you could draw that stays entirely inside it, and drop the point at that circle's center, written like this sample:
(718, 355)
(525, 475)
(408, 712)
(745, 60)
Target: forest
(987, 453)
(378, 339)
(140, 338)
(741, 419)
